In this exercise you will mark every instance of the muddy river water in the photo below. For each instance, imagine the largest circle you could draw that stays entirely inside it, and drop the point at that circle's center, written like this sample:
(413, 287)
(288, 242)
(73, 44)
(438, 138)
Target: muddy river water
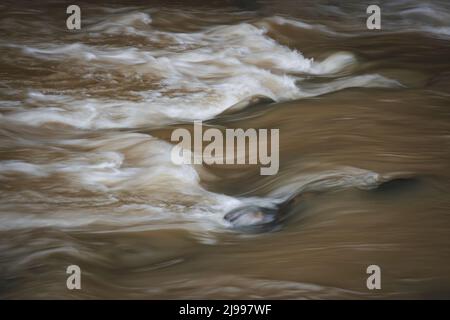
(86, 176)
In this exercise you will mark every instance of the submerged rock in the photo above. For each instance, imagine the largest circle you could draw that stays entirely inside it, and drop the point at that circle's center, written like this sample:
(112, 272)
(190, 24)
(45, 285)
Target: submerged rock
(253, 218)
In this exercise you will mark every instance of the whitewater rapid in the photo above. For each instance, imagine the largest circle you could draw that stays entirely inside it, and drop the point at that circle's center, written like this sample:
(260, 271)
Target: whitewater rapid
(181, 77)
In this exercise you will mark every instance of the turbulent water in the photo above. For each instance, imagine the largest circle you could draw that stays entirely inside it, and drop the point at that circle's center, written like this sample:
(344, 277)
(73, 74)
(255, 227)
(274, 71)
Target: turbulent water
(87, 178)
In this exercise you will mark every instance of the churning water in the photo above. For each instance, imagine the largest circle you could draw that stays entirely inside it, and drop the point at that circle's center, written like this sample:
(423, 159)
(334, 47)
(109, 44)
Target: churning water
(86, 176)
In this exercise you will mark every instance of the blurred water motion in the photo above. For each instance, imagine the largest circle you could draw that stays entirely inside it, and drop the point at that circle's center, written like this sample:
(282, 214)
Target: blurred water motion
(85, 169)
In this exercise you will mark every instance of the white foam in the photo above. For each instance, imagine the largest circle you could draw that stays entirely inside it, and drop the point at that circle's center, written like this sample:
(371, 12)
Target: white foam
(115, 164)
(338, 178)
(121, 23)
(301, 24)
(200, 74)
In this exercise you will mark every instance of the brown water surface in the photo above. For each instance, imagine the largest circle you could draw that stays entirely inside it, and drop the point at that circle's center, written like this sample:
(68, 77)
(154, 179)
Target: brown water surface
(85, 169)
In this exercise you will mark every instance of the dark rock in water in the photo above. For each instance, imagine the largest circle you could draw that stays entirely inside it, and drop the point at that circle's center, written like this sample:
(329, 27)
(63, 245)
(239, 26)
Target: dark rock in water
(253, 218)
(258, 219)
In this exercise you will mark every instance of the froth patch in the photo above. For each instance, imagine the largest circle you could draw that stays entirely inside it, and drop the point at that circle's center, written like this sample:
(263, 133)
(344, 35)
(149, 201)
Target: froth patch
(199, 75)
